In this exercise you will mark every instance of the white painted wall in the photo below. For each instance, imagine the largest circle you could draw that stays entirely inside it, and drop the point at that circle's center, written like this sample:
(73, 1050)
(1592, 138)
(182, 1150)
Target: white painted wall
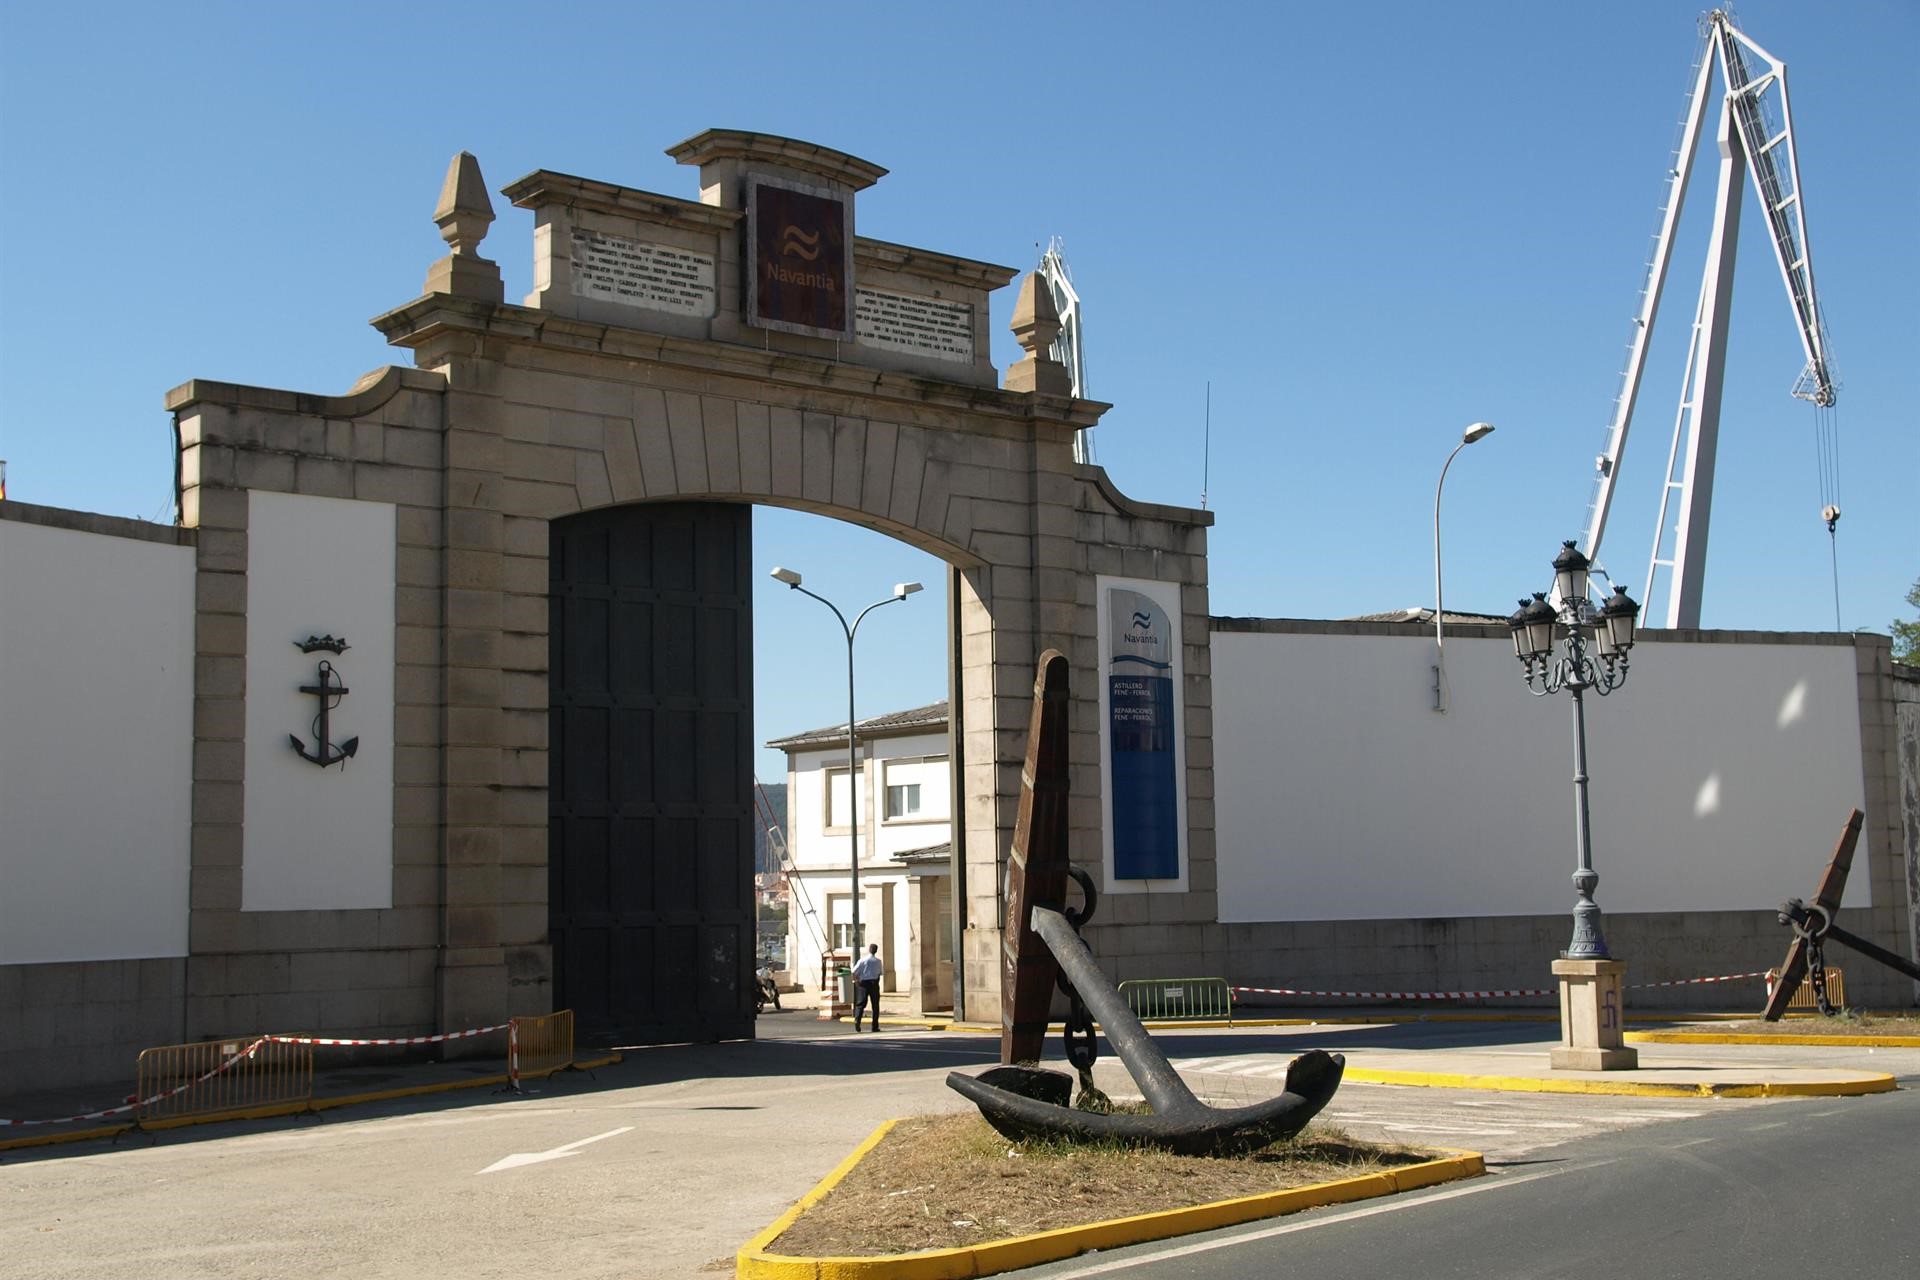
(932, 823)
(96, 745)
(318, 839)
(1721, 775)
(920, 757)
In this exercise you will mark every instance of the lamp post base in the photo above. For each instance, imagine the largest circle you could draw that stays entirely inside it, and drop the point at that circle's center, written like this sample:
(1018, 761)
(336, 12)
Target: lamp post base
(1592, 1017)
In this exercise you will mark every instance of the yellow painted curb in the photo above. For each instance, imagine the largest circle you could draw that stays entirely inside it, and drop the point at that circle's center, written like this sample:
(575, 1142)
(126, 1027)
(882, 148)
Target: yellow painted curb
(753, 1262)
(273, 1110)
(1713, 1037)
(55, 1139)
(1872, 1082)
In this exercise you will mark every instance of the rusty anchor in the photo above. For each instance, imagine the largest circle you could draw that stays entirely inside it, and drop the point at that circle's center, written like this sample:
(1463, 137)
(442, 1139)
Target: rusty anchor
(1812, 925)
(1023, 1101)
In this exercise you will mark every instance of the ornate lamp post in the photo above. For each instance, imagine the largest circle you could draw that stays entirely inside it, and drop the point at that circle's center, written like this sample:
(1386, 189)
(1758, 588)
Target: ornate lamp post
(901, 590)
(1596, 645)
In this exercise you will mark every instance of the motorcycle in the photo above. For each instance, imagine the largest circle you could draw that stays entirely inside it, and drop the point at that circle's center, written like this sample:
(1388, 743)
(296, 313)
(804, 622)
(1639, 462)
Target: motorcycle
(765, 992)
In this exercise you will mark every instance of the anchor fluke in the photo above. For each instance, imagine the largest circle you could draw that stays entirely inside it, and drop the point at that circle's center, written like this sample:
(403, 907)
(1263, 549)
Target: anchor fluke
(1193, 1130)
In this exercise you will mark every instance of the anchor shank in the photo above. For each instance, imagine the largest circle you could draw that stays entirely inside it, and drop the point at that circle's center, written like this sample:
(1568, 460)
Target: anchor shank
(1162, 1087)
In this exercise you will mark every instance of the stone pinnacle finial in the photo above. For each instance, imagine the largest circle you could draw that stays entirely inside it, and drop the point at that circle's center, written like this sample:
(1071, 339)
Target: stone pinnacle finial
(1036, 323)
(465, 211)
(463, 216)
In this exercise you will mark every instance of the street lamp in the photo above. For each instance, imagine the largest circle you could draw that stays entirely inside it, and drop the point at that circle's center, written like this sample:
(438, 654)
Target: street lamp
(1610, 631)
(901, 590)
(1478, 431)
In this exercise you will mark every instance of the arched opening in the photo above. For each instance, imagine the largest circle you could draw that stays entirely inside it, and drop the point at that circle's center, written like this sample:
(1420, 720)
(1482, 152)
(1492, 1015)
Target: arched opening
(658, 709)
(890, 795)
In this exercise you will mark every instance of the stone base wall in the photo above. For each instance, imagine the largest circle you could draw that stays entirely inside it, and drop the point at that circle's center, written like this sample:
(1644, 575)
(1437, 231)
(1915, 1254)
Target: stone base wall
(340, 993)
(1493, 953)
(85, 1022)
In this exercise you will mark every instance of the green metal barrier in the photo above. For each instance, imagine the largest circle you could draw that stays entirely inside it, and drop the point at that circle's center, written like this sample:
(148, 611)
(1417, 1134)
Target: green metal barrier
(1178, 998)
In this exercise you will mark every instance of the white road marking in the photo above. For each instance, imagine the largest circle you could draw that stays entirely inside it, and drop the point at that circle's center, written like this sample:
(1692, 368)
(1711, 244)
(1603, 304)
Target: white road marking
(557, 1153)
(1145, 1262)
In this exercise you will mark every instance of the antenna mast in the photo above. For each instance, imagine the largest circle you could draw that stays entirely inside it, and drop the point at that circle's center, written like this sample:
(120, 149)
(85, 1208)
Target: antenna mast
(1206, 447)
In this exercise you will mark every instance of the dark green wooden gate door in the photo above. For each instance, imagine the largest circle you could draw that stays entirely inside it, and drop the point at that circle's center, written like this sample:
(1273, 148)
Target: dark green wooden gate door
(650, 839)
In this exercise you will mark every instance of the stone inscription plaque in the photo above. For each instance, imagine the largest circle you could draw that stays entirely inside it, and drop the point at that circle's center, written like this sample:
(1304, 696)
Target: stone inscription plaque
(918, 326)
(656, 277)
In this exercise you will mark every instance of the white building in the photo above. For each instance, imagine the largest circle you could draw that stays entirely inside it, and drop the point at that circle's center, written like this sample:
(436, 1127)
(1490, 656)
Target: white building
(905, 842)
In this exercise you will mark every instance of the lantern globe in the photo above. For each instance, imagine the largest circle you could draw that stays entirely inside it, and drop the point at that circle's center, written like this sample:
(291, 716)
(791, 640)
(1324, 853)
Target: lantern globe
(1619, 619)
(1570, 573)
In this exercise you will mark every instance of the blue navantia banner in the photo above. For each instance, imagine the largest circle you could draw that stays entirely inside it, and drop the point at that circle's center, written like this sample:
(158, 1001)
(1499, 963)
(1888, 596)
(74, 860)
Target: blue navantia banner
(1142, 738)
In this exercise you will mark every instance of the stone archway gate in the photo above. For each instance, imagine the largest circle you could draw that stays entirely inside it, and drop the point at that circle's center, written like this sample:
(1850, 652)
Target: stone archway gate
(745, 347)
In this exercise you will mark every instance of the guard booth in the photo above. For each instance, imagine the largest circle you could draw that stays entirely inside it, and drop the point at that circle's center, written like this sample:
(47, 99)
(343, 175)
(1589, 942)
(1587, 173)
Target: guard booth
(836, 984)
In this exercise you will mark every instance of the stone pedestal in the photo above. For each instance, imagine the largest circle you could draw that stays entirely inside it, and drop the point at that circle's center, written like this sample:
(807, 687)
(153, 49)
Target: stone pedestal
(1592, 1017)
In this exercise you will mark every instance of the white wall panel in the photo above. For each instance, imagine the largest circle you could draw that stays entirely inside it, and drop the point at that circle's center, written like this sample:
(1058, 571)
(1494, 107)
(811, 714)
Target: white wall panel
(318, 839)
(1721, 776)
(96, 745)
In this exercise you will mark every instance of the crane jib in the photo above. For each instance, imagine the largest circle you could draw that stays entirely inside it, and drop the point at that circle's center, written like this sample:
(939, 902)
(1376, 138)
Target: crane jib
(1756, 138)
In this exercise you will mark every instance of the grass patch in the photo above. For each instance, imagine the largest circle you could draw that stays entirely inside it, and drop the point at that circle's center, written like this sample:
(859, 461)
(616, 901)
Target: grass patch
(1848, 1022)
(942, 1182)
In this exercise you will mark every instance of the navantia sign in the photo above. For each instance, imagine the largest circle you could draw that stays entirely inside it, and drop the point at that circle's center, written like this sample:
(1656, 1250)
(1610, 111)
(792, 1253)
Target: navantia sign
(799, 258)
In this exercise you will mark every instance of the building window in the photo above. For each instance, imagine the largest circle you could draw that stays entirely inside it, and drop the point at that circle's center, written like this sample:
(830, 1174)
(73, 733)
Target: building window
(838, 811)
(903, 799)
(840, 909)
(914, 789)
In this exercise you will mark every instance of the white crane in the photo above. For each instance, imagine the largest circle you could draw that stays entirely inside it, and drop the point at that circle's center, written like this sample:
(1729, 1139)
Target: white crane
(1068, 348)
(1755, 133)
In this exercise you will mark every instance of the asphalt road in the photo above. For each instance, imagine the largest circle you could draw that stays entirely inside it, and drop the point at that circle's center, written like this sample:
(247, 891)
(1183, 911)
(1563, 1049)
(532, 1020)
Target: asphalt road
(664, 1165)
(1819, 1187)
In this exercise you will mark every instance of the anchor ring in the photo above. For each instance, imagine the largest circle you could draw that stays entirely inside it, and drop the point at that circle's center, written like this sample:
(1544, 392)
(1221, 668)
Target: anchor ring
(1080, 917)
(1813, 924)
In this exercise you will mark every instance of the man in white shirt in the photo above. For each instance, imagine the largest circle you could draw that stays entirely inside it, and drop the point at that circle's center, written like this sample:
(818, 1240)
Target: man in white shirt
(866, 984)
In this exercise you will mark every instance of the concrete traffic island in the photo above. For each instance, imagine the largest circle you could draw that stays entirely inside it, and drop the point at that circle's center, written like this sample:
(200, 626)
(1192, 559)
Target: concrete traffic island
(757, 1260)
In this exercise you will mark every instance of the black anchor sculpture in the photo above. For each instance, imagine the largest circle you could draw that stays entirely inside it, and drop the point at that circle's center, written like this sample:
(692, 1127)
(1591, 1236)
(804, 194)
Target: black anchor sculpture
(329, 689)
(1023, 1101)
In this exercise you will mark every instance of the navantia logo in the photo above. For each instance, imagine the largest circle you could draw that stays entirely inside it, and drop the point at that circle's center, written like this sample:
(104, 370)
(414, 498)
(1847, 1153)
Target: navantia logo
(1144, 621)
(795, 243)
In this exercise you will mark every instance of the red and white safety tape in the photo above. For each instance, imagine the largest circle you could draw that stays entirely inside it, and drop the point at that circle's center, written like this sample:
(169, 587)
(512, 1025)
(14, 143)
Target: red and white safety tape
(1687, 982)
(445, 1035)
(1395, 995)
(1475, 995)
(247, 1053)
(144, 1102)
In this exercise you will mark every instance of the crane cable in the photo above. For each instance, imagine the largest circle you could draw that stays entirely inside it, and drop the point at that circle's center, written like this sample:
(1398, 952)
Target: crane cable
(1826, 444)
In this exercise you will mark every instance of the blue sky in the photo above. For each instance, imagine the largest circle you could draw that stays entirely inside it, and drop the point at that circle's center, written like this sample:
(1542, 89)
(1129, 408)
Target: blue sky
(1364, 225)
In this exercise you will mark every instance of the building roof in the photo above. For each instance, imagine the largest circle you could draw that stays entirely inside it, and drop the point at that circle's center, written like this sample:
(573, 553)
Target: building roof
(1424, 616)
(895, 724)
(934, 858)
